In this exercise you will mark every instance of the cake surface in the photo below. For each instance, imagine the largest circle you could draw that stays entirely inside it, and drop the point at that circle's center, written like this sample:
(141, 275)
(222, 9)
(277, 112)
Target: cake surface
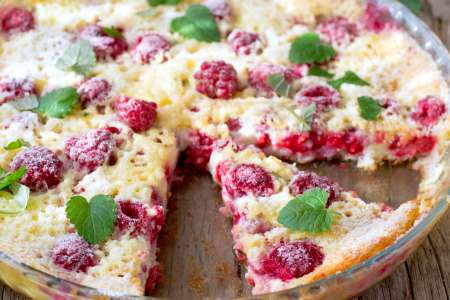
(105, 98)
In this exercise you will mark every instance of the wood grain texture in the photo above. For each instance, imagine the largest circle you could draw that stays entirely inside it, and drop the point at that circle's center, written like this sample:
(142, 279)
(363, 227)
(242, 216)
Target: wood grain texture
(425, 275)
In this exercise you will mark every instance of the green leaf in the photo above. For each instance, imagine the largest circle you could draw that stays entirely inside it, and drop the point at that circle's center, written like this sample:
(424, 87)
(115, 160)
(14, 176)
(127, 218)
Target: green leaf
(415, 6)
(306, 117)
(78, 57)
(3, 173)
(307, 212)
(348, 78)
(162, 2)
(280, 85)
(58, 103)
(308, 48)
(369, 108)
(94, 220)
(15, 201)
(112, 32)
(198, 23)
(17, 144)
(26, 103)
(11, 178)
(319, 72)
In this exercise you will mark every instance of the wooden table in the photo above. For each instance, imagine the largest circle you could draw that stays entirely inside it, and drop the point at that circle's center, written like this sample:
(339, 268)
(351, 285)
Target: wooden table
(425, 275)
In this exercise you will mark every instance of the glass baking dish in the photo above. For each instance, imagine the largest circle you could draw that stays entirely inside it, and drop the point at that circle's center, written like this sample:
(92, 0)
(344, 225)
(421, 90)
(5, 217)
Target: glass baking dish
(351, 282)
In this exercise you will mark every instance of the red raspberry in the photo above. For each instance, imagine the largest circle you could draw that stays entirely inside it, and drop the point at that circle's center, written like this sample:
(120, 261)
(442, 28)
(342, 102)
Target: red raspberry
(73, 253)
(140, 115)
(15, 19)
(233, 124)
(154, 277)
(337, 30)
(296, 142)
(217, 79)
(91, 150)
(263, 140)
(198, 152)
(94, 91)
(150, 47)
(219, 8)
(44, 168)
(417, 145)
(257, 77)
(133, 217)
(104, 45)
(287, 261)
(245, 43)
(247, 179)
(12, 89)
(354, 142)
(377, 18)
(429, 111)
(323, 96)
(304, 181)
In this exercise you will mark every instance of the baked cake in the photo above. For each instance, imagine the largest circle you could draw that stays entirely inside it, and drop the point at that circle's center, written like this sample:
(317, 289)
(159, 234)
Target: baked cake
(100, 100)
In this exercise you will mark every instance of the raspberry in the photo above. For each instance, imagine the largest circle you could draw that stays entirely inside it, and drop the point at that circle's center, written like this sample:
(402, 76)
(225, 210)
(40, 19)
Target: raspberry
(429, 111)
(337, 30)
(287, 261)
(133, 217)
(245, 43)
(154, 277)
(417, 145)
(91, 150)
(304, 181)
(263, 140)
(198, 152)
(353, 142)
(257, 77)
(94, 91)
(233, 124)
(104, 45)
(73, 253)
(150, 47)
(296, 142)
(217, 79)
(140, 115)
(247, 179)
(323, 96)
(15, 19)
(219, 8)
(44, 168)
(12, 89)
(377, 18)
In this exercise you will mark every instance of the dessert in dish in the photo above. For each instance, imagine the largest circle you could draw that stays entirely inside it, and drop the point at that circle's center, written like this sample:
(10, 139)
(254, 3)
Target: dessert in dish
(99, 101)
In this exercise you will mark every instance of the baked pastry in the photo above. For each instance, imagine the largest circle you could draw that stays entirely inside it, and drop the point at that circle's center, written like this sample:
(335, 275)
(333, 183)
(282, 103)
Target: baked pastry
(100, 99)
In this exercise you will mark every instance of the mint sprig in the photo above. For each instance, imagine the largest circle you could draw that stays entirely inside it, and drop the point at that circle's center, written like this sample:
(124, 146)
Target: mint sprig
(79, 57)
(348, 78)
(162, 2)
(93, 220)
(198, 23)
(17, 144)
(369, 108)
(319, 72)
(280, 85)
(305, 118)
(308, 48)
(15, 200)
(9, 178)
(307, 212)
(112, 32)
(416, 6)
(58, 103)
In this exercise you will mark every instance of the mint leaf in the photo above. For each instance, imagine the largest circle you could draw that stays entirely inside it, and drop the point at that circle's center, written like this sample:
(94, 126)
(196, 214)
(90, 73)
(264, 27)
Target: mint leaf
(162, 2)
(369, 108)
(306, 117)
(319, 72)
(15, 201)
(58, 103)
(308, 48)
(112, 32)
(348, 78)
(78, 57)
(3, 173)
(307, 212)
(94, 220)
(19, 143)
(26, 103)
(280, 85)
(415, 6)
(198, 23)
(13, 177)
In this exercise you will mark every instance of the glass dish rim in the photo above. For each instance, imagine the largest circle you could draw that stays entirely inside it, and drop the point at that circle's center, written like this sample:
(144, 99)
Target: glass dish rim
(433, 215)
